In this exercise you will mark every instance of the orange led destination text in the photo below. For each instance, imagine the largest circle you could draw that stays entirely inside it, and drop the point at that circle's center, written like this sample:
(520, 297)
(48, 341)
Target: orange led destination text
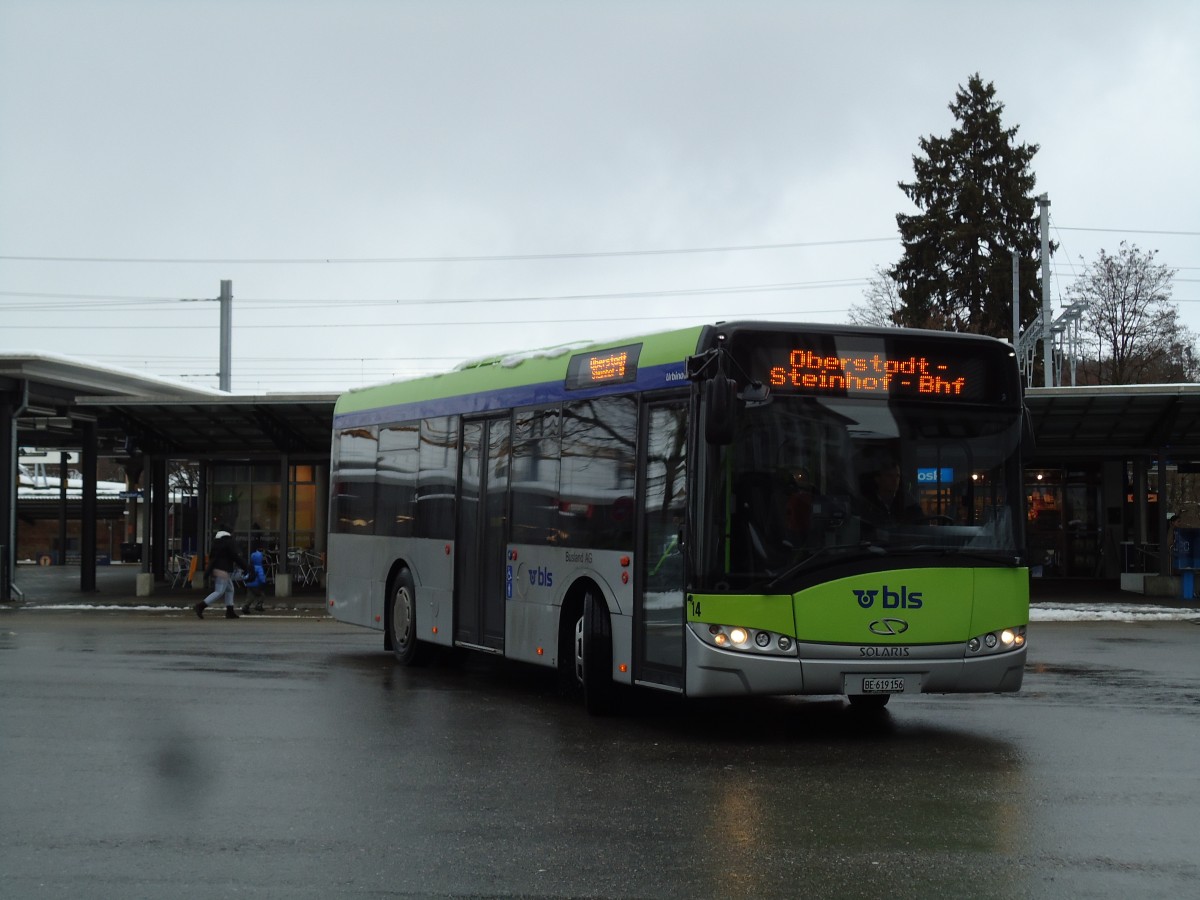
(604, 368)
(915, 374)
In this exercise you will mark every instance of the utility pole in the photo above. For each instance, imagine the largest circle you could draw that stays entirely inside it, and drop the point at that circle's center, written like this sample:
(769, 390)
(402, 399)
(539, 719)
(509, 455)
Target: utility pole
(1016, 278)
(1047, 312)
(226, 334)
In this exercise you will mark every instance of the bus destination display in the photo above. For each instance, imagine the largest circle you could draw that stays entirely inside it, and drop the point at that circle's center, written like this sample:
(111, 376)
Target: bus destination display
(885, 367)
(616, 365)
(870, 374)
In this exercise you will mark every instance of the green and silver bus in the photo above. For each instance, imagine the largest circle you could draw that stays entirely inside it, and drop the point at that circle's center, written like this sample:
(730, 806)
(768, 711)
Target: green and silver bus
(730, 509)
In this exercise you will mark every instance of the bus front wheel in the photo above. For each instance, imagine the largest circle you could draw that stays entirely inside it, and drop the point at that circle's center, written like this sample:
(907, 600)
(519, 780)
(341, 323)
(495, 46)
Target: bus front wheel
(593, 657)
(868, 701)
(402, 621)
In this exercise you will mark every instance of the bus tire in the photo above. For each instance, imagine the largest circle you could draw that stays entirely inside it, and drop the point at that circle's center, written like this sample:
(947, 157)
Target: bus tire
(867, 702)
(593, 656)
(402, 621)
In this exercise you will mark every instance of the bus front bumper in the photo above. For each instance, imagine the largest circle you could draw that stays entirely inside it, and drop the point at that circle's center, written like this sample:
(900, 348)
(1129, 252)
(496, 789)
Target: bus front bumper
(712, 672)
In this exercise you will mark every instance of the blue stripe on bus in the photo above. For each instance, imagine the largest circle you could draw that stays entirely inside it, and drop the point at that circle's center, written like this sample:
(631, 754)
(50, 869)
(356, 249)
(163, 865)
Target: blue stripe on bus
(648, 379)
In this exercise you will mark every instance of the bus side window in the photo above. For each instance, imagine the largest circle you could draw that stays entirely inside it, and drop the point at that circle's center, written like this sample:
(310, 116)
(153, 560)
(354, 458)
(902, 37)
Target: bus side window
(534, 480)
(598, 473)
(437, 478)
(395, 479)
(352, 499)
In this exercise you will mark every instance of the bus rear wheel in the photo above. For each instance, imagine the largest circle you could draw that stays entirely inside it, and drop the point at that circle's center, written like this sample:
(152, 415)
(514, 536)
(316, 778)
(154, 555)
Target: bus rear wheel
(402, 621)
(593, 657)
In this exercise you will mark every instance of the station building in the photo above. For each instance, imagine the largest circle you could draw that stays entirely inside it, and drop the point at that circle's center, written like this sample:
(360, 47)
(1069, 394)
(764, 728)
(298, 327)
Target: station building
(1106, 474)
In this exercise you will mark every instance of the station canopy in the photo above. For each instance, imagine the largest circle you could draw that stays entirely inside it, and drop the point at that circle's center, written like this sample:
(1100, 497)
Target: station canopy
(53, 398)
(226, 427)
(1114, 422)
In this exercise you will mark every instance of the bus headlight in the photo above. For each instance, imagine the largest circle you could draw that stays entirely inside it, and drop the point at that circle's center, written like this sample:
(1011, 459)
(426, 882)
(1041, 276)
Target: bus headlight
(997, 641)
(747, 640)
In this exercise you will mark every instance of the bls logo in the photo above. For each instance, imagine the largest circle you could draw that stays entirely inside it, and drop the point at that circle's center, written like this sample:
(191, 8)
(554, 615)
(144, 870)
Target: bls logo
(901, 599)
(541, 576)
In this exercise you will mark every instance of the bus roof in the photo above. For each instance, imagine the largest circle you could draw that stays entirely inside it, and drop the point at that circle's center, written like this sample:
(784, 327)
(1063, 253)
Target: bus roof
(538, 377)
(518, 370)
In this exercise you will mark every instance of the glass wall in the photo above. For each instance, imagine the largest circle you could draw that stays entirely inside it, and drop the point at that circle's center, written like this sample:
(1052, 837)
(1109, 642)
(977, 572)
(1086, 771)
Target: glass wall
(307, 525)
(1065, 531)
(245, 499)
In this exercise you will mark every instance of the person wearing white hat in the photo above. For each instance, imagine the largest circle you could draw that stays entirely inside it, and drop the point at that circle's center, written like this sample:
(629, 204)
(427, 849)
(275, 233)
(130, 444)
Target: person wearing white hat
(223, 558)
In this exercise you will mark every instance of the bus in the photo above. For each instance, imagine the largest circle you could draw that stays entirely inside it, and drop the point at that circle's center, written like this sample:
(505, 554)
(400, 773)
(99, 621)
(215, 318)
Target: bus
(740, 508)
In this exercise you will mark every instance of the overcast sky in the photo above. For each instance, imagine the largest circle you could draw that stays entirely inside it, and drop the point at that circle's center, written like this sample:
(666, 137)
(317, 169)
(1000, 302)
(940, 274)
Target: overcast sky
(393, 187)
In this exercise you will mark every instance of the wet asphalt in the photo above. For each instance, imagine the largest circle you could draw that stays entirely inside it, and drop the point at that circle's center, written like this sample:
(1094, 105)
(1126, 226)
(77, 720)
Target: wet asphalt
(286, 755)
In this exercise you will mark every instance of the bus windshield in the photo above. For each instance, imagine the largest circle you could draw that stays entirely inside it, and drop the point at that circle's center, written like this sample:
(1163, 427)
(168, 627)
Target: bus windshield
(810, 482)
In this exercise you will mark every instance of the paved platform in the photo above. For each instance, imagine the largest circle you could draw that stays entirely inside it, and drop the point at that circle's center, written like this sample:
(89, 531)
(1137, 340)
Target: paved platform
(116, 586)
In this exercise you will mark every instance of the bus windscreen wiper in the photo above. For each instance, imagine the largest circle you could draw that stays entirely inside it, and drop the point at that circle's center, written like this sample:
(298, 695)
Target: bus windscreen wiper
(997, 555)
(820, 554)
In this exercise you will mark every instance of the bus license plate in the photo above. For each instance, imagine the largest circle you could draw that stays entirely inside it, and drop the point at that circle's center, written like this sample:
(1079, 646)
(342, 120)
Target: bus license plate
(883, 685)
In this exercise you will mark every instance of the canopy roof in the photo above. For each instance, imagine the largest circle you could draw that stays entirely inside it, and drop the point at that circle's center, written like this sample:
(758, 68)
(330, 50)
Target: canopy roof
(227, 426)
(1115, 421)
(54, 397)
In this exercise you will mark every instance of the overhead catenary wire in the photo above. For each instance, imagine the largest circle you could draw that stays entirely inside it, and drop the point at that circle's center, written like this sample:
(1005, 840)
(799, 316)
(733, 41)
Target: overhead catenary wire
(269, 370)
(509, 257)
(166, 304)
(464, 258)
(418, 324)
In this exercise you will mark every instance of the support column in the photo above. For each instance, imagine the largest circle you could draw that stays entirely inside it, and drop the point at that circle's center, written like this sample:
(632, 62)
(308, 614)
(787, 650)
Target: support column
(145, 578)
(63, 474)
(283, 578)
(1141, 532)
(1112, 502)
(160, 500)
(8, 496)
(204, 529)
(1164, 540)
(88, 508)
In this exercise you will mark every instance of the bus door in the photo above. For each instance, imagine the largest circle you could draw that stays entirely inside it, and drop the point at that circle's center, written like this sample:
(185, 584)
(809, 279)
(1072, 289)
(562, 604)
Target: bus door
(658, 607)
(482, 534)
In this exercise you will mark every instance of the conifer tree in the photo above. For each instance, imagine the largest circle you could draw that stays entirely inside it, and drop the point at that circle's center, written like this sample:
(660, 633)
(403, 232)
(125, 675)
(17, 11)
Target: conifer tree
(975, 192)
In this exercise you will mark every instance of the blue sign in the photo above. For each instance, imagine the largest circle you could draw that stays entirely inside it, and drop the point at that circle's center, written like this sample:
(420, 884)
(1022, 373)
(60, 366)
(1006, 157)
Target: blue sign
(935, 476)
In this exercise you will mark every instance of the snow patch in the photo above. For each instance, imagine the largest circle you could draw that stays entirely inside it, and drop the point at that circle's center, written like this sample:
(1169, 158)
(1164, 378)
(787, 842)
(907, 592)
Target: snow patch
(1110, 612)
